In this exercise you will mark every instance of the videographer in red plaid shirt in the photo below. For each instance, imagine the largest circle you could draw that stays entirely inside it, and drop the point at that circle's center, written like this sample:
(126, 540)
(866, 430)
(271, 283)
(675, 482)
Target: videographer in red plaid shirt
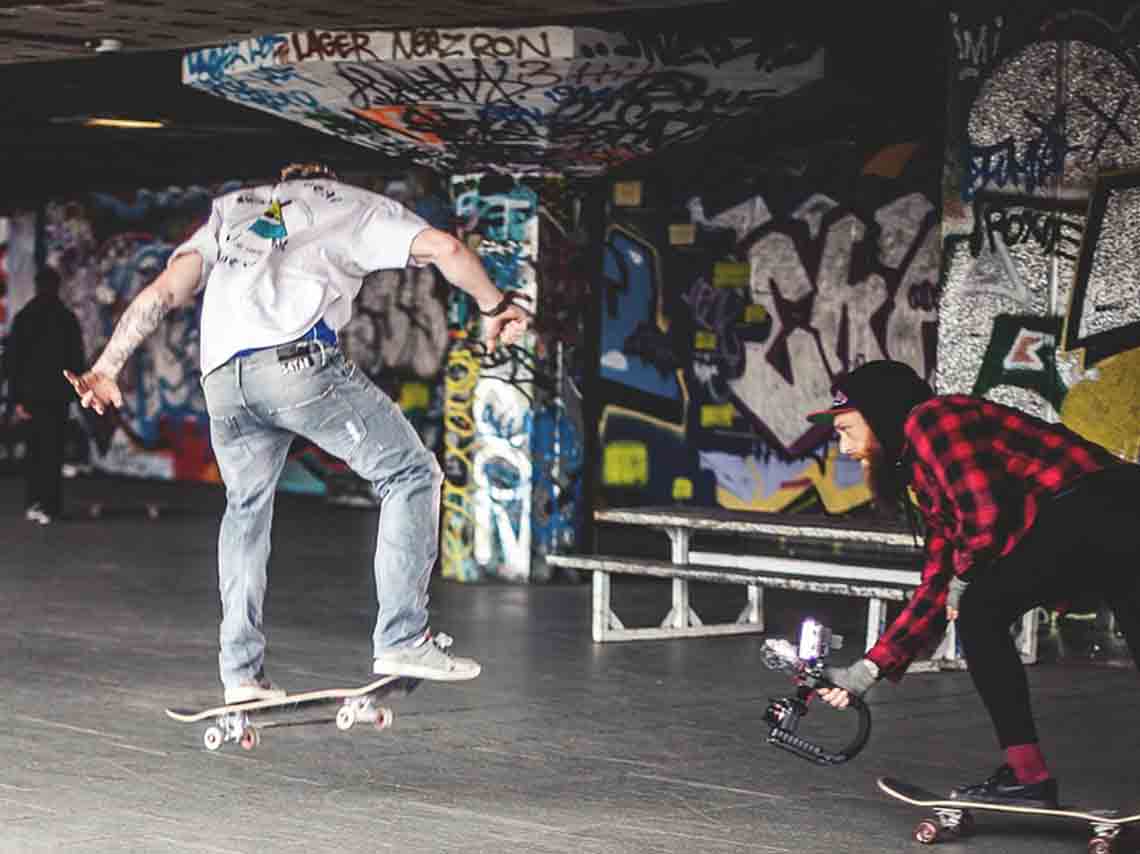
(1019, 513)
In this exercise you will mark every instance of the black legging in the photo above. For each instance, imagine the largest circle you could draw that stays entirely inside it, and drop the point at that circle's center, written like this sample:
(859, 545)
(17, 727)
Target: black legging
(44, 462)
(1084, 541)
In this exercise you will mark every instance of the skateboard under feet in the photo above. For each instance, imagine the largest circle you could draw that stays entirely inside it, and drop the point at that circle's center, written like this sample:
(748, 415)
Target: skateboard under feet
(241, 723)
(102, 509)
(954, 818)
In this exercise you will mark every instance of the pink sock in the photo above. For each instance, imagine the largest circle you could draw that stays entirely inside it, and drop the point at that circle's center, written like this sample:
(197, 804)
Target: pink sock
(1027, 762)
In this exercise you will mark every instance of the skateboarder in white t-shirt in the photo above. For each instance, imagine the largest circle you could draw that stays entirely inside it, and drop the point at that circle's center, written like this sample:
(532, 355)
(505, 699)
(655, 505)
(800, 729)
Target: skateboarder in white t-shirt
(281, 265)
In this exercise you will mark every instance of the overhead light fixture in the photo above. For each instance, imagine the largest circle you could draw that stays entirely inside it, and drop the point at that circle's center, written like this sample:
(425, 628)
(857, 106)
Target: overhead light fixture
(105, 45)
(122, 124)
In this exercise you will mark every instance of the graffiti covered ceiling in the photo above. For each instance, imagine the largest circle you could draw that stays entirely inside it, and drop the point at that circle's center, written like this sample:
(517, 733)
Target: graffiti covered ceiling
(552, 99)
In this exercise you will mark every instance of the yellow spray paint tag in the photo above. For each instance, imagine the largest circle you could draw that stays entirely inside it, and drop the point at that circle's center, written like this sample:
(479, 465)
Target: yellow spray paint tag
(414, 396)
(682, 234)
(717, 414)
(731, 274)
(755, 313)
(682, 489)
(625, 463)
(627, 194)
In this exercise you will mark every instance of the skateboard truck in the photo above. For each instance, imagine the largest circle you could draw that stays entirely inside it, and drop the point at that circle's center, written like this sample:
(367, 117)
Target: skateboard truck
(806, 664)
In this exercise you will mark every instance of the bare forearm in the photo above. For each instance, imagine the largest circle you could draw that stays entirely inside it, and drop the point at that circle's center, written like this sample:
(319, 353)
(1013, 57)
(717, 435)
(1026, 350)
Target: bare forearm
(464, 270)
(141, 318)
(458, 264)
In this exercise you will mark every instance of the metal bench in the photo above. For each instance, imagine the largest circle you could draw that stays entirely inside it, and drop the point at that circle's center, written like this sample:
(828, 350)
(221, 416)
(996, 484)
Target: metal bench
(874, 561)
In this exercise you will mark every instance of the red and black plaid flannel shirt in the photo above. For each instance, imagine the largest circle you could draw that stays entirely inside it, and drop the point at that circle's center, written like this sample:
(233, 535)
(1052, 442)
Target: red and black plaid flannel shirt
(979, 472)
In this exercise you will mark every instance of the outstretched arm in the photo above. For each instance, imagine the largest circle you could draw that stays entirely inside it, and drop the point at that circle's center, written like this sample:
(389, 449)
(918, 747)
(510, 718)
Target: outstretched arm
(176, 286)
(462, 267)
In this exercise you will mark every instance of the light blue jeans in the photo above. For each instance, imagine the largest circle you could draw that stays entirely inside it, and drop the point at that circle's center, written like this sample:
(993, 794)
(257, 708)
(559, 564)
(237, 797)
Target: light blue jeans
(257, 404)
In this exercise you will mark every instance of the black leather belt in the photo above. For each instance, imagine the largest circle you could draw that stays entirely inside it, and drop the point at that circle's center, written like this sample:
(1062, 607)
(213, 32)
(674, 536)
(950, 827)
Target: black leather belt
(296, 349)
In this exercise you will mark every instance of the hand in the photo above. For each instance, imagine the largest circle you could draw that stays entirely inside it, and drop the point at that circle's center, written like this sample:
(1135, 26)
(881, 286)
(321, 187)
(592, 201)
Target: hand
(855, 680)
(507, 327)
(954, 596)
(835, 697)
(96, 390)
(20, 413)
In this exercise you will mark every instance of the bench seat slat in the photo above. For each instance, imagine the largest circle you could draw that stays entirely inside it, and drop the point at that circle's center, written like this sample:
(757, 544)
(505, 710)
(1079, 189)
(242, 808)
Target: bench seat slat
(749, 523)
(796, 566)
(729, 575)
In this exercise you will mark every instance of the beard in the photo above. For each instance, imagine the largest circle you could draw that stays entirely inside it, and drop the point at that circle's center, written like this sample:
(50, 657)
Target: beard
(886, 480)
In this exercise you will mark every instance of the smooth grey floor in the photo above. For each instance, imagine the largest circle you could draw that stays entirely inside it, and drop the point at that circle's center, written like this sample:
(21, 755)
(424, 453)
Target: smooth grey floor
(560, 746)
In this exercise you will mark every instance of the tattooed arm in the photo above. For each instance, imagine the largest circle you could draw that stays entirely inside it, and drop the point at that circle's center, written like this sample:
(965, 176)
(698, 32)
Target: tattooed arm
(176, 286)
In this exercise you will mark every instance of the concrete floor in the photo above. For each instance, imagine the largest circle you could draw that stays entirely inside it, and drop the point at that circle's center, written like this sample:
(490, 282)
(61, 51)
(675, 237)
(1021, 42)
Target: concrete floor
(560, 746)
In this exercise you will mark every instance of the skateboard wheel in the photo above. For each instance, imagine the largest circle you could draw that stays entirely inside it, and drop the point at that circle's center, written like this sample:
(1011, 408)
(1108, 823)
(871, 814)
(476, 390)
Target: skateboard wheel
(1100, 846)
(966, 824)
(249, 738)
(212, 738)
(384, 717)
(345, 718)
(926, 831)
(152, 511)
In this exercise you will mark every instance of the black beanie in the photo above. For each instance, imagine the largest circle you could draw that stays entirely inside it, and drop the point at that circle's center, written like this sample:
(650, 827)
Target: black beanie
(883, 392)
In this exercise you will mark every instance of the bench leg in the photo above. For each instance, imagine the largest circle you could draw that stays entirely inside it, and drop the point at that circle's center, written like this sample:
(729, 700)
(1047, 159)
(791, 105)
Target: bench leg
(1027, 637)
(876, 621)
(681, 615)
(604, 618)
(753, 613)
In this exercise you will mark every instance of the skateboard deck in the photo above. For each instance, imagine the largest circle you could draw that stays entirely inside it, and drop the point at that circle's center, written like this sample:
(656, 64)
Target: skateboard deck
(242, 722)
(106, 509)
(953, 818)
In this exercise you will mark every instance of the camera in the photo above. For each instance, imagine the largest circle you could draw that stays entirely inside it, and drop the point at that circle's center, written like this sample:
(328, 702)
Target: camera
(816, 641)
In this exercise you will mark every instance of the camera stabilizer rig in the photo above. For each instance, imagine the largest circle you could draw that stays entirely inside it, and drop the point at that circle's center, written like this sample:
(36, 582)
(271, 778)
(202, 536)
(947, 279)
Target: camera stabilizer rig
(806, 666)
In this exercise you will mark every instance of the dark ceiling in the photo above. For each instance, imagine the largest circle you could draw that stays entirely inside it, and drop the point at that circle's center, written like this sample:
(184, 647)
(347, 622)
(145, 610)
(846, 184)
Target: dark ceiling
(884, 78)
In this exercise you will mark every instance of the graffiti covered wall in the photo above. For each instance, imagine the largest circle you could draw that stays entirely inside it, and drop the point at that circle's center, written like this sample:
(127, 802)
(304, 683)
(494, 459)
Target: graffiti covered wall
(17, 286)
(106, 249)
(1040, 306)
(722, 328)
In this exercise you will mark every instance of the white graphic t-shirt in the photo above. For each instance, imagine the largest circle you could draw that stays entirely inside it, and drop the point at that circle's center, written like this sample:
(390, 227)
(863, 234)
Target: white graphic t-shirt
(278, 258)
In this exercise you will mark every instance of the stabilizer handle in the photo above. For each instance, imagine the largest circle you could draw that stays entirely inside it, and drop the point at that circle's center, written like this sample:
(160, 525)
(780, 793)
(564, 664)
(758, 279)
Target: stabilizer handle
(784, 716)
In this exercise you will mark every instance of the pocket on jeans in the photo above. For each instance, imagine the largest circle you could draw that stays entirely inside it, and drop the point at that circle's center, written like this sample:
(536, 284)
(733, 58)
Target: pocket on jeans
(293, 396)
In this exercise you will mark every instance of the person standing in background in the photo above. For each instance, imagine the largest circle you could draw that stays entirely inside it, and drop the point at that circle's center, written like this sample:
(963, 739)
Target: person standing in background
(44, 342)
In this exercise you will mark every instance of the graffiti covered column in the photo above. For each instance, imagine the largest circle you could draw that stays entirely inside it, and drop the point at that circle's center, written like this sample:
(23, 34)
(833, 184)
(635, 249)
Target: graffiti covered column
(489, 413)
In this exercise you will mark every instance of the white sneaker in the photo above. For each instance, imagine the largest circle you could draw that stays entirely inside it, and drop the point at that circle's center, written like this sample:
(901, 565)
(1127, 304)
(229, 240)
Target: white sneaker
(427, 658)
(248, 690)
(36, 514)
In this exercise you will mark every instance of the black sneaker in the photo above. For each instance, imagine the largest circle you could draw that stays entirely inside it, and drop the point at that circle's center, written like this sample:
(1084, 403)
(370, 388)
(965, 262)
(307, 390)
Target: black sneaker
(1002, 788)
